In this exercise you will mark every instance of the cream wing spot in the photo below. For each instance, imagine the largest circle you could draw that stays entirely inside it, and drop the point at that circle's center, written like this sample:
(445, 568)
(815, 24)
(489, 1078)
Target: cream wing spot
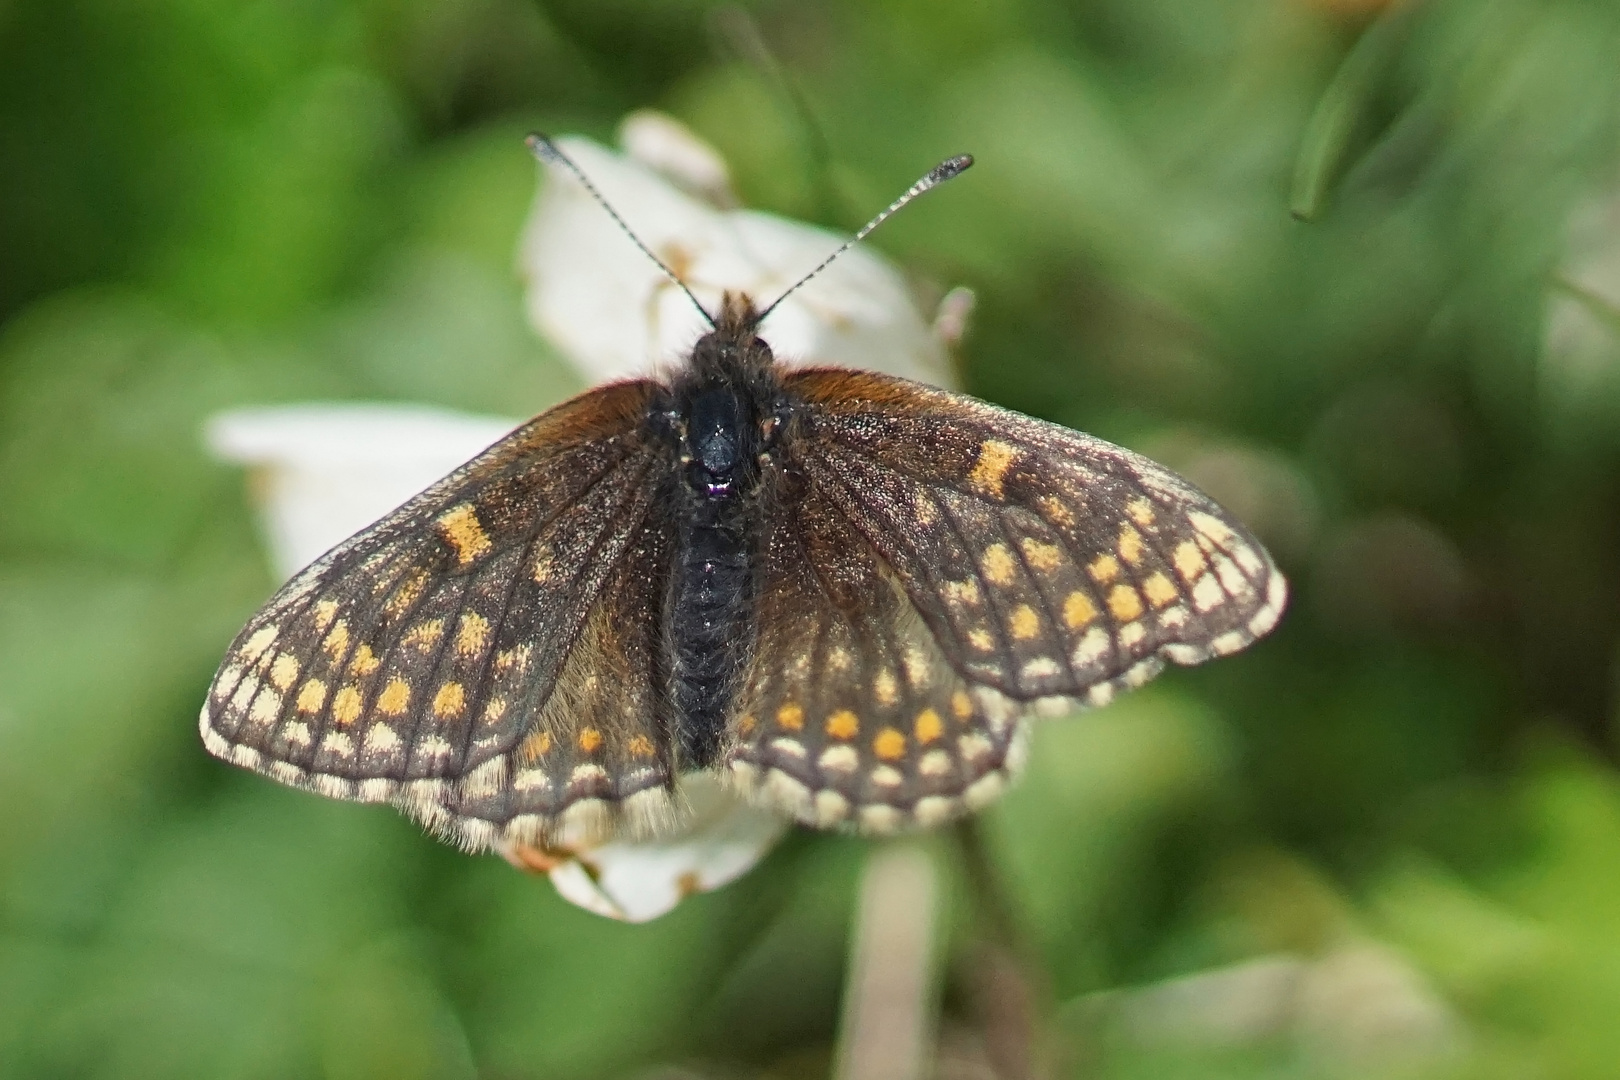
(381, 739)
(324, 611)
(284, 671)
(1207, 594)
(266, 707)
(842, 758)
(258, 643)
(1093, 647)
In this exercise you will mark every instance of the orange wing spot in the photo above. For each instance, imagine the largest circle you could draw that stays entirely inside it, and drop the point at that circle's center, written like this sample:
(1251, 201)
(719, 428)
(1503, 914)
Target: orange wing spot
(1056, 510)
(641, 746)
(928, 726)
(462, 531)
(1125, 603)
(1078, 610)
(1159, 590)
(472, 634)
(494, 710)
(1042, 556)
(746, 724)
(394, 698)
(1103, 569)
(1141, 511)
(513, 658)
(790, 717)
(449, 701)
(408, 593)
(325, 611)
(1189, 560)
(544, 565)
(923, 507)
(1024, 623)
(284, 671)
(890, 745)
(961, 705)
(1130, 545)
(590, 740)
(346, 705)
(337, 641)
(424, 635)
(364, 661)
(843, 724)
(998, 564)
(537, 745)
(982, 640)
(989, 473)
(963, 592)
(312, 696)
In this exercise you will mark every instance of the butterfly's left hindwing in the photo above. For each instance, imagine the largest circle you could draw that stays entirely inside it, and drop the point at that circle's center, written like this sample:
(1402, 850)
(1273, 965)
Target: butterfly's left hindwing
(451, 657)
(849, 713)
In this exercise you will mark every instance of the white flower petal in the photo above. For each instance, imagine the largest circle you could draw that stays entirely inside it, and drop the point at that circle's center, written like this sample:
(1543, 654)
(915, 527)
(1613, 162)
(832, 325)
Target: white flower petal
(614, 314)
(670, 148)
(640, 880)
(326, 471)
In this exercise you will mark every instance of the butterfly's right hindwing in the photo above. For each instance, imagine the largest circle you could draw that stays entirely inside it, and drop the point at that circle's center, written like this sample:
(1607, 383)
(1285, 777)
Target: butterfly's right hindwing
(419, 661)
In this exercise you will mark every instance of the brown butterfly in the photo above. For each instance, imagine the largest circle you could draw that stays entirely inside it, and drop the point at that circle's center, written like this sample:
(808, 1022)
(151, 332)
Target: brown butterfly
(845, 591)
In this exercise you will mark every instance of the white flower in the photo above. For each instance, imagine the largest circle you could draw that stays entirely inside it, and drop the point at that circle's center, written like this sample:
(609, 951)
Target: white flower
(614, 314)
(322, 472)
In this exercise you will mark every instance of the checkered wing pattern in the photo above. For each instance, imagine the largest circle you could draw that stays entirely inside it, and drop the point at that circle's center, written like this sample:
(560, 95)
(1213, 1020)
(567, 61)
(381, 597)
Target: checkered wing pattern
(850, 712)
(482, 657)
(1044, 567)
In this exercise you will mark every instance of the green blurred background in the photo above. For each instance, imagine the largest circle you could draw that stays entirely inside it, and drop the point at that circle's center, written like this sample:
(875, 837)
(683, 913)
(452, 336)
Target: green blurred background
(1384, 842)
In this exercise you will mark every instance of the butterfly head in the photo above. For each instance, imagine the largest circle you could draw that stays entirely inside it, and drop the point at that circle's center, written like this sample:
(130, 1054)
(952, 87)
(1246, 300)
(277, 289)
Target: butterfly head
(727, 410)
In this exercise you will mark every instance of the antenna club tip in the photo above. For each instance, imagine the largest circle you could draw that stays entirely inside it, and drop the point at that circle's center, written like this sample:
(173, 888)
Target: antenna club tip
(541, 146)
(951, 167)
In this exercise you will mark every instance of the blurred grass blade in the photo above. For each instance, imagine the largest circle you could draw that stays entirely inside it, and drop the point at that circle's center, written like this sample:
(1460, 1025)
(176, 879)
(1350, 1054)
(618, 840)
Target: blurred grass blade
(1333, 121)
(1599, 306)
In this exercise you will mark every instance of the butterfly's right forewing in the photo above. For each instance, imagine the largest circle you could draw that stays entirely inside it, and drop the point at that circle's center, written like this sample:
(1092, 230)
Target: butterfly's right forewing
(425, 660)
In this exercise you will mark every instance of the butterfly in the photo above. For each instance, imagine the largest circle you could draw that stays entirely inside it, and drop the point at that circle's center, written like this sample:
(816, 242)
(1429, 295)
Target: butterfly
(846, 592)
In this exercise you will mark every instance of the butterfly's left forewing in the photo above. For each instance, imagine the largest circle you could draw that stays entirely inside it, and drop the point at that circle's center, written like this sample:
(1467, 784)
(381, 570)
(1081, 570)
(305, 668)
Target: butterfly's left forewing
(449, 658)
(1039, 567)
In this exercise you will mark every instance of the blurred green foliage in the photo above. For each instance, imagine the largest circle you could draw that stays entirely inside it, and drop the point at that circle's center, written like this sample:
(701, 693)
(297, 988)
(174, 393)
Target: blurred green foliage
(1415, 399)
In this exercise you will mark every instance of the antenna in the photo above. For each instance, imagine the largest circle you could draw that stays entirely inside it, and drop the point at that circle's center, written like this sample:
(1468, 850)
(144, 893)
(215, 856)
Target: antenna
(549, 152)
(945, 170)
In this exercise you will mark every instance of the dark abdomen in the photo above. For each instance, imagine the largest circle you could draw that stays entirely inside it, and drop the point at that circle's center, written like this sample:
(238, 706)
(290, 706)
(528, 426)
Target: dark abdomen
(711, 624)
